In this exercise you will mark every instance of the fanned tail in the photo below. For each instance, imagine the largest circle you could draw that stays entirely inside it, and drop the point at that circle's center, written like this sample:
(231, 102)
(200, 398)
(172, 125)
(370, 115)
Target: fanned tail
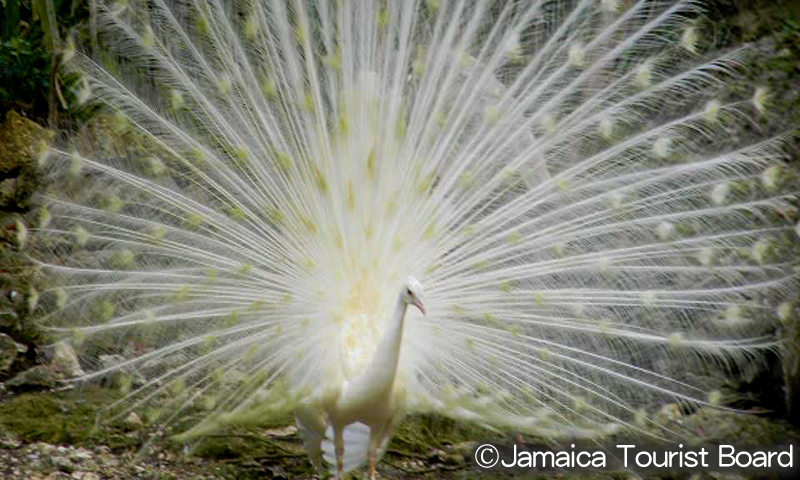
(600, 224)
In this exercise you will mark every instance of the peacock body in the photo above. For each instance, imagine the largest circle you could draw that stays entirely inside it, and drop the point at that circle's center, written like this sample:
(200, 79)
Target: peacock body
(594, 217)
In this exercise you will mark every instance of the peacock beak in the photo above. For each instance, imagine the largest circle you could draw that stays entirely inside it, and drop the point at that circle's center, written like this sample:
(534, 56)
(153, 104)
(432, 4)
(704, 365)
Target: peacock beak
(418, 303)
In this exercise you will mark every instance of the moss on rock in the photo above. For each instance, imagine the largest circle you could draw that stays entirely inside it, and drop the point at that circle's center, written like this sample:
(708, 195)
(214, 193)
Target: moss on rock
(22, 141)
(62, 417)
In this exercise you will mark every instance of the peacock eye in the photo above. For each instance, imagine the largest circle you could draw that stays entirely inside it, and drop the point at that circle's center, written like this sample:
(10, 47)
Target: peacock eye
(408, 291)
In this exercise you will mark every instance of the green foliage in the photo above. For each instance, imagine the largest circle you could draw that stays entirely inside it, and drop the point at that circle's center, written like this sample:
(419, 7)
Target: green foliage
(31, 33)
(24, 75)
(9, 25)
(46, 11)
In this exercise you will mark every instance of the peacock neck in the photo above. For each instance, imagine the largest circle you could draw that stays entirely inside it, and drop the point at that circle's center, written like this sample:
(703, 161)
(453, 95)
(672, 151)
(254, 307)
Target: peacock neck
(383, 368)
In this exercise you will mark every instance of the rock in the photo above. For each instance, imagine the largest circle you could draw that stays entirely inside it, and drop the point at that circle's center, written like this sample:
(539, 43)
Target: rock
(440, 456)
(8, 188)
(57, 476)
(8, 317)
(9, 349)
(110, 361)
(436, 455)
(81, 455)
(287, 431)
(115, 375)
(133, 420)
(10, 302)
(64, 464)
(38, 377)
(85, 476)
(65, 361)
(10, 441)
(16, 232)
(14, 296)
(102, 450)
(109, 461)
(21, 139)
(278, 472)
(43, 447)
(22, 142)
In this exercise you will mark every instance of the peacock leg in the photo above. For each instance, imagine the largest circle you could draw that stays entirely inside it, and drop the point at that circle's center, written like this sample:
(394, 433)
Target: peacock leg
(374, 441)
(338, 444)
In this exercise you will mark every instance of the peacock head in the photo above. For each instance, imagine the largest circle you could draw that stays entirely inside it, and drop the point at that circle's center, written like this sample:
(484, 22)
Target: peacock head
(412, 294)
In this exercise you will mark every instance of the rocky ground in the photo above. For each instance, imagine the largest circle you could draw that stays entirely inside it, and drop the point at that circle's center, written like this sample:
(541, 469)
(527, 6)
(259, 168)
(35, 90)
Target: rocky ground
(44, 461)
(55, 434)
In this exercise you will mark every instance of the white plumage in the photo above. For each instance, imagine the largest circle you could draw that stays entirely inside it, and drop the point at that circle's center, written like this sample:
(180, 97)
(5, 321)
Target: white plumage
(596, 227)
(354, 422)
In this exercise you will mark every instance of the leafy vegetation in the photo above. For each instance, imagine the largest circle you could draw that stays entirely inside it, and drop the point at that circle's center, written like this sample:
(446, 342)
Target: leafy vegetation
(24, 76)
(31, 36)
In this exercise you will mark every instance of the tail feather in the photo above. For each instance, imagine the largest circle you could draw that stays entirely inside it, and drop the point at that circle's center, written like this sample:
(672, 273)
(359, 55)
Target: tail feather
(356, 447)
(311, 426)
